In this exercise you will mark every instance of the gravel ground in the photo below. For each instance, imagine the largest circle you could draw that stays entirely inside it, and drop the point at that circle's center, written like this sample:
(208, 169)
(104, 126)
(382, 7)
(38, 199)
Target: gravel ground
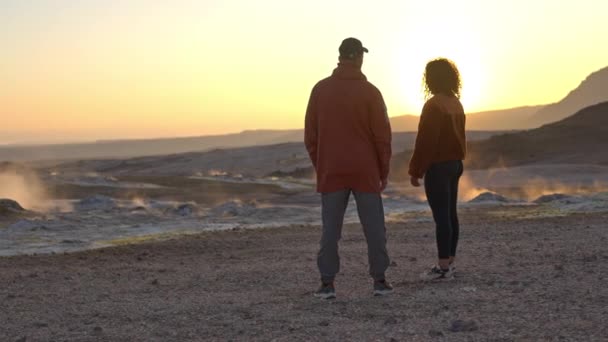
(519, 279)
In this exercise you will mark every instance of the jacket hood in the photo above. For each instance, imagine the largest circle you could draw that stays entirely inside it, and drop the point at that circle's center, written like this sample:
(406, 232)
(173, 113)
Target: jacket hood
(348, 70)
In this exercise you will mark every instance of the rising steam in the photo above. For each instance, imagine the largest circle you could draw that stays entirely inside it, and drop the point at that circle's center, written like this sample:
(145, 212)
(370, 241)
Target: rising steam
(24, 187)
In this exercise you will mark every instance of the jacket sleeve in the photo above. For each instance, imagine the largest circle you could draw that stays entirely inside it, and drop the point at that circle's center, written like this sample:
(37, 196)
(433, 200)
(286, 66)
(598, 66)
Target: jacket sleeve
(381, 132)
(311, 128)
(427, 141)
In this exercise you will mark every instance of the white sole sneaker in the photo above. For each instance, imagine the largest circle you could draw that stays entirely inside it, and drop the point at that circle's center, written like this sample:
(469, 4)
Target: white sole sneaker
(437, 274)
(378, 293)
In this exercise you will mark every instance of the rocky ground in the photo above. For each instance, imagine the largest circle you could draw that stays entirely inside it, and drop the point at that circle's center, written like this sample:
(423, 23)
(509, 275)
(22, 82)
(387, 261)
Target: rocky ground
(518, 278)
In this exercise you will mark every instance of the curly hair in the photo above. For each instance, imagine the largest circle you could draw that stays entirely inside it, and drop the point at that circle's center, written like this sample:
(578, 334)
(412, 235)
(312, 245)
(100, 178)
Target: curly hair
(441, 76)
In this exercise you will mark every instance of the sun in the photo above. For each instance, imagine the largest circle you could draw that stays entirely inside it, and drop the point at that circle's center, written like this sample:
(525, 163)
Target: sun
(464, 51)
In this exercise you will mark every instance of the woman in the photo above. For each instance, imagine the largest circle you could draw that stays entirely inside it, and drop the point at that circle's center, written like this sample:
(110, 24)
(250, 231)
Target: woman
(440, 149)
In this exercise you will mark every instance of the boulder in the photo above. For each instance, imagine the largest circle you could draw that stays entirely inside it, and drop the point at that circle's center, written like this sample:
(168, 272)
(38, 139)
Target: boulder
(9, 206)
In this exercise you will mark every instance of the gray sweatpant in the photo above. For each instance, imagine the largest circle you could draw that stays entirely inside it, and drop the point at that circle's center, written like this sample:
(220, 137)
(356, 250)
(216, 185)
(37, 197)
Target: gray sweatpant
(371, 216)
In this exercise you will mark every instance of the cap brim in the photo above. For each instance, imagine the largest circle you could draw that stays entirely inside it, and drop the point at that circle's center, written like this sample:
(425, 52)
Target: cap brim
(365, 49)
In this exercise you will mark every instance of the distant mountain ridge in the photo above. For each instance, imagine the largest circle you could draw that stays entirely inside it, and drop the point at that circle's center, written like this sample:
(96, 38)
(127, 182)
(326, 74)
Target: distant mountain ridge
(147, 147)
(494, 120)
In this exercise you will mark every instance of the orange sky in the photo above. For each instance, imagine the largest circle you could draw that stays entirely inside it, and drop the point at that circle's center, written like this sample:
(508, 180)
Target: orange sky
(130, 69)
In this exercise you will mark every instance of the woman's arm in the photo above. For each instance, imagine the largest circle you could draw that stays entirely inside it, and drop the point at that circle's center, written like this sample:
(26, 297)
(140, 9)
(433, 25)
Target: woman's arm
(427, 140)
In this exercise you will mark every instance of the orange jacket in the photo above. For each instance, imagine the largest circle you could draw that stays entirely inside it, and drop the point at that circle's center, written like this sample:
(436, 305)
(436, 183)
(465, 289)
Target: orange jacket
(441, 134)
(348, 133)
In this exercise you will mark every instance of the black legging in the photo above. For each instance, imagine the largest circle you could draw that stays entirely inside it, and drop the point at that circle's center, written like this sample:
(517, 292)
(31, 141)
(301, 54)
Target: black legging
(441, 187)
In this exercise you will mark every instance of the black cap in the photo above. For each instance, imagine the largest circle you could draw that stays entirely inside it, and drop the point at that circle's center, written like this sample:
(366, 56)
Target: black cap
(351, 48)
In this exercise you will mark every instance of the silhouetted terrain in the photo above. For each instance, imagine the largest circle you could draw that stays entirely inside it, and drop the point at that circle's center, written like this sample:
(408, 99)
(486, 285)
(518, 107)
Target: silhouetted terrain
(579, 139)
(593, 90)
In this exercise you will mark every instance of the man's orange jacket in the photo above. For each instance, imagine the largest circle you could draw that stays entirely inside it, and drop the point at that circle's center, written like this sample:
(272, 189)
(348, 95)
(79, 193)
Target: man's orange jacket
(348, 133)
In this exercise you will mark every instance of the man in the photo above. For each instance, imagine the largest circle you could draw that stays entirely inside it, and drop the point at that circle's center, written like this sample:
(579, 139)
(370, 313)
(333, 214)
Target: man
(348, 138)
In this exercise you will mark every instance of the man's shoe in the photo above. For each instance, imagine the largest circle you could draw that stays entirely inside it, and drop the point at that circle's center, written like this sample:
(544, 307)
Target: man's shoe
(382, 288)
(326, 291)
(436, 273)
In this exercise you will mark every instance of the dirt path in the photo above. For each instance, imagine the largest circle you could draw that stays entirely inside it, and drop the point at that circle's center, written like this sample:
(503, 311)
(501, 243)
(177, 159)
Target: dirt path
(519, 279)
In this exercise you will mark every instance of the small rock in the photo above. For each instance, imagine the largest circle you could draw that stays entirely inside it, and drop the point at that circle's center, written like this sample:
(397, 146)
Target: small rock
(463, 326)
(552, 198)
(25, 224)
(435, 333)
(324, 323)
(41, 325)
(589, 258)
(70, 241)
(489, 197)
(413, 259)
(234, 209)
(97, 330)
(95, 202)
(23, 339)
(154, 282)
(390, 321)
(393, 264)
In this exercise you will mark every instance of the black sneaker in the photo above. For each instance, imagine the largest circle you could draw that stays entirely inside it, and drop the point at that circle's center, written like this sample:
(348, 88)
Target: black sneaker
(326, 291)
(382, 288)
(436, 273)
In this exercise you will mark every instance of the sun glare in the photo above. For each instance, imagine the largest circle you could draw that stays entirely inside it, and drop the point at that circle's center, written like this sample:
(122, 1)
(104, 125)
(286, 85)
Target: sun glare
(462, 47)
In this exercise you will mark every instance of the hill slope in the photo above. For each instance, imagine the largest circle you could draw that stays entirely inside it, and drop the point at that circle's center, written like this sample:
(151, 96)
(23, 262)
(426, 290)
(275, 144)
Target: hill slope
(579, 139)
(593, 90)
